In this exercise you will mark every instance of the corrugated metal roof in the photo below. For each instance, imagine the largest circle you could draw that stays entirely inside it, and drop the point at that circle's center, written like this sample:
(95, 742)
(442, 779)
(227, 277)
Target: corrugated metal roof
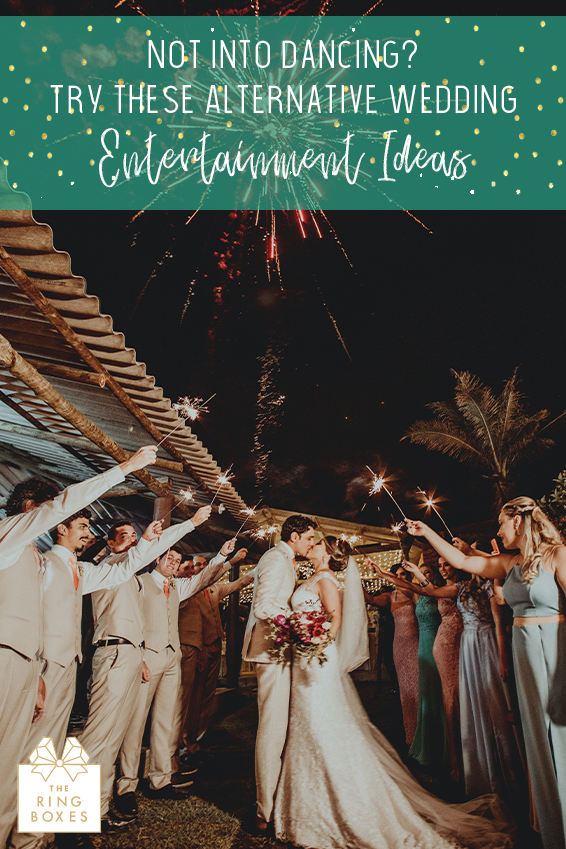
(30, 244)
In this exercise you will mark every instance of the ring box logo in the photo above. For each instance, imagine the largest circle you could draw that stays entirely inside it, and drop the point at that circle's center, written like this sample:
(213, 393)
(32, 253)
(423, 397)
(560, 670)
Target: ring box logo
(59, 794)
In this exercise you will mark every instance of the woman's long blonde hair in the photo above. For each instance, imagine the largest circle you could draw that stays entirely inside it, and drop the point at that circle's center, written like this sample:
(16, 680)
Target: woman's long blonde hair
(538, 530)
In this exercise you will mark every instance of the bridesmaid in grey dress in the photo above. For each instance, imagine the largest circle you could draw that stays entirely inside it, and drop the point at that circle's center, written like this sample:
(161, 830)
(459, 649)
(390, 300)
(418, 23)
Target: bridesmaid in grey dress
(535, 586)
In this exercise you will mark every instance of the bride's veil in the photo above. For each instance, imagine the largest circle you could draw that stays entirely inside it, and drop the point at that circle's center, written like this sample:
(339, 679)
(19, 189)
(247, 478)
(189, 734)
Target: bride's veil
(352, 641)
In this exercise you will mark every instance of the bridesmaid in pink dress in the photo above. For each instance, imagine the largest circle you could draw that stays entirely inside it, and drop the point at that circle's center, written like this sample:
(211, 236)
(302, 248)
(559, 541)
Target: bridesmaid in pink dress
(446, 652)
(405, 648)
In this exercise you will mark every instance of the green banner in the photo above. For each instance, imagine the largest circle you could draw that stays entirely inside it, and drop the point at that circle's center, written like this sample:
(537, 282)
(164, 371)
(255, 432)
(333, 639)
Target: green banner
(298, 113)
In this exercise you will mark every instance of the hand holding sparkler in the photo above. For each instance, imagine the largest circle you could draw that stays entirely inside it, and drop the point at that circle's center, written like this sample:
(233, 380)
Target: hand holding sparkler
(430, 503)
(153, 531)
(188, 409)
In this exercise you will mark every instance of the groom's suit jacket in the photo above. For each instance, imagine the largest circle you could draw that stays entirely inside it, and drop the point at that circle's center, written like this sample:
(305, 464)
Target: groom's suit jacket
(273, 587)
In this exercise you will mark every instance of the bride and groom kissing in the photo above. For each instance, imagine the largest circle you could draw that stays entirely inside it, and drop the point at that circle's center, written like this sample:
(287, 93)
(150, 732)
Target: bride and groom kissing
(325, 775)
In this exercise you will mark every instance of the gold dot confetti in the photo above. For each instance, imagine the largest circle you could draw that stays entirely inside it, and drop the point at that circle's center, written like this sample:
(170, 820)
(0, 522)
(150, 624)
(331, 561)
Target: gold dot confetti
(539, 107)
(482, 61)
(6, 162)
(229, 124)
(23, 23)
(185, 58)
(12, 132)
(148, 32)
(50, 156)
(372, 160)
(128, 132)
(92, 161)
(517, 118)
(494, 111)
(543, 23)
(120, 82)
(101, 108)
(336, 123)
(555, 67)
(551, 185)
(521, 136)
(15, 185)
(83, 61)
(444, 82)
(521, 49)
(493, 184)
(385, 135)
(118, 20)
(72, 110)
(516, 155)
(11, 68)
(59, 173)
(49, 117)
(561, 100)
(44, 136)
(506, 173)
(159, 121)
(26, 107)
(220, 88)
(518, 191)
(437, 133)
(418, 145)
(476, 131)
(30, 154)
(447, 20)
(417, 32)
(345, 88)
(89, 28)
(89, 132)
(476, 28)
(142, 84)
(535, 154)
(27, 81)
(44, 49)
(537, 81)
(180, 135)
(553, 132)
(4, 100)
(560, 162)
(193, 160)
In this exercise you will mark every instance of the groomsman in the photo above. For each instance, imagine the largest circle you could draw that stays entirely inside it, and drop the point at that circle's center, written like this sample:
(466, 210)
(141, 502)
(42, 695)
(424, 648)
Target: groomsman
(201, 701)
(118, 670)
(274, 585)
(65, 585)
(162, 655)
(33, 508)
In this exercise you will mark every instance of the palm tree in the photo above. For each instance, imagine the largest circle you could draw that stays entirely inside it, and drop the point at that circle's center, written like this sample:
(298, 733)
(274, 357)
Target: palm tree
(491, 432)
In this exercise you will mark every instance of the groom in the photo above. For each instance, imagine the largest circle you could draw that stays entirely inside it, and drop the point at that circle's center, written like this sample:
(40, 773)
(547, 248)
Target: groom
(274, 585)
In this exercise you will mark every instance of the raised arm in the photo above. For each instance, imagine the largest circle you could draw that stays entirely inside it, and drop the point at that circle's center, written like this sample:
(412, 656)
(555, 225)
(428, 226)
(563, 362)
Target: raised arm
(18, 531)
(490, 566)
(211, 573)
(118, 568)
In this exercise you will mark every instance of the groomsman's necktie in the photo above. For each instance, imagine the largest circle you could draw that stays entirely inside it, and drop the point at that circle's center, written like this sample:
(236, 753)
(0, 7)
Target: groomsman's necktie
(166, 587)
(73, 562)
(206, 594)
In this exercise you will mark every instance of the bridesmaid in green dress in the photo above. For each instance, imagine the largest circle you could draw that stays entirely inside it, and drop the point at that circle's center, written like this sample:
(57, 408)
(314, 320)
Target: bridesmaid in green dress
(535, 587)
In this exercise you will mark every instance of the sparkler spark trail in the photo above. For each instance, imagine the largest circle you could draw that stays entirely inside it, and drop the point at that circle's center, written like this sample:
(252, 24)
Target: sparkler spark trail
(222, 479)
(186, 495)
(378, 485)
(430, 503)
(188, 409)
(250, 512)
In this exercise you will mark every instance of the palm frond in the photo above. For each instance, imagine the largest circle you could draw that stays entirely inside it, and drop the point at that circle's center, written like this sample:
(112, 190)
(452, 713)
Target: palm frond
(479, 406)
(441, 436)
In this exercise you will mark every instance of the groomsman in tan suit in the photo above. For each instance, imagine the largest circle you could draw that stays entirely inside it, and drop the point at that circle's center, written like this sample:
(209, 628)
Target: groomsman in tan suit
(162, 594)
(118, 669)
(274, 585)
(201, 701)
(33, 508)
(66, 583)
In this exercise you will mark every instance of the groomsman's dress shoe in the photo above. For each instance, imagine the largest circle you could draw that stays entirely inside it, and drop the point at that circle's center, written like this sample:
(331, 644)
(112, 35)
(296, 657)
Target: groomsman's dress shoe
(181, 779)
(167, 792)
(126, 805)
(189, 764)
(109, 822)
(263, 827)
(64, 840)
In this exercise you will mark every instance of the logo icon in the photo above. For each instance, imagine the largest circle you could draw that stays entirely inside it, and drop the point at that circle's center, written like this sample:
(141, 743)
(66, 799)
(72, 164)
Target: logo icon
(59, 794)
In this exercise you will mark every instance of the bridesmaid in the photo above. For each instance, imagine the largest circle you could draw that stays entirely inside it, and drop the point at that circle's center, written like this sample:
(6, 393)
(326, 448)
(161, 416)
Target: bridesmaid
(535, 586)
(429, 747)
(405, 646)
(446, 652)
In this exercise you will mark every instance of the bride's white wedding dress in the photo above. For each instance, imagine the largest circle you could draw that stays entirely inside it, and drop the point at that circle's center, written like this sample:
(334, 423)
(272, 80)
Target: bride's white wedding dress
(342, 784)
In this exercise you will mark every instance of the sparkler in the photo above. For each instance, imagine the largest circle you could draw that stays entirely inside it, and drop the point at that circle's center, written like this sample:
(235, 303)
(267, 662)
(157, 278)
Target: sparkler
(221, 480)
(430, 503)
(378, 485)
(188, 408)
(249, 511)
(186, 495)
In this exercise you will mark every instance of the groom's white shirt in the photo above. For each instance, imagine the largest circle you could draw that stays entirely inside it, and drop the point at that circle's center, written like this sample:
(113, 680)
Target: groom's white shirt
(274, 584)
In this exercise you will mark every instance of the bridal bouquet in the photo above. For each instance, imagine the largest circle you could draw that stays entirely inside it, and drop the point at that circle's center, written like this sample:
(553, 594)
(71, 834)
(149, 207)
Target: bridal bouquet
(306, 631)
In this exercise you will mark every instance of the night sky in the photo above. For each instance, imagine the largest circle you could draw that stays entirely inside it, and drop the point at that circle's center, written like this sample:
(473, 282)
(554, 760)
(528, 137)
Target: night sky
(483, 293)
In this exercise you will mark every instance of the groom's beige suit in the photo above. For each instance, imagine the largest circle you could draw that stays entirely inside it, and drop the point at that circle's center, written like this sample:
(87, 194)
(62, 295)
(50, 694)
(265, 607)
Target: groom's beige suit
(274, 585)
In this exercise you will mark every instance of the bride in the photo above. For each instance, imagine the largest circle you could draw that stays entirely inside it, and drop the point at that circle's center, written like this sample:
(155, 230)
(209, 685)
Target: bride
(342, 784)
